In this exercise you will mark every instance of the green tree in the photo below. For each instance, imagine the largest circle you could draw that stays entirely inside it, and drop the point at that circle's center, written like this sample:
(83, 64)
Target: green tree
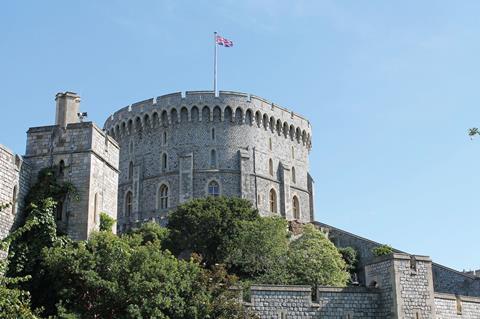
(350, 256)
(125, 277)
(205, 225)
(314, 260)
(258, 248)
(151, 232)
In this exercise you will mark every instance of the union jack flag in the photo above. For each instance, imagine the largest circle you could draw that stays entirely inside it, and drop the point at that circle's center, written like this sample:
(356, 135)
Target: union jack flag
(225, 42)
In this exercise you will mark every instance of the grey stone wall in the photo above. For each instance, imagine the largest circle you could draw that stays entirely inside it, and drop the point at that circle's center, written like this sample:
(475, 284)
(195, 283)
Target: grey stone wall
(244, 131)
(450, 281)
(14, 185)
(290, 301)
(351, 302)
(91, 165)
(406, 285)
(450, 306)
(381, 275)
(295, 302)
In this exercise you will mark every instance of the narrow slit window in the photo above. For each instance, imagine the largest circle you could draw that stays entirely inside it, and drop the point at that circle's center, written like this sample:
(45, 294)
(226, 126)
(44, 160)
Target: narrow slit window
(213, 159)
(128, 204)
(130, 170)
(164, 162)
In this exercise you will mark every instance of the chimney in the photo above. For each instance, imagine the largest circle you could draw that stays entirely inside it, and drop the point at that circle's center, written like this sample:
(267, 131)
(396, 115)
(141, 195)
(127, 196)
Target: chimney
(68, 105)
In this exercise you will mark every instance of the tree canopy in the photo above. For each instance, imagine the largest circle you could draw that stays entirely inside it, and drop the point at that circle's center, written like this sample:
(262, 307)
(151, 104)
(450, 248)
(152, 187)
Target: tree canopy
(124, 277)
(204, 226)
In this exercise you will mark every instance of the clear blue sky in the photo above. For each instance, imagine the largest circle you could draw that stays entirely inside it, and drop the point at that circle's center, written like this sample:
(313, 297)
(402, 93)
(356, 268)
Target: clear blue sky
(390, 87)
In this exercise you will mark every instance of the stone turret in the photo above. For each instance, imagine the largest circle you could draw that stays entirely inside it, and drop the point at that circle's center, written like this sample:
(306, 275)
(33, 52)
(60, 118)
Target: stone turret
(68, 105)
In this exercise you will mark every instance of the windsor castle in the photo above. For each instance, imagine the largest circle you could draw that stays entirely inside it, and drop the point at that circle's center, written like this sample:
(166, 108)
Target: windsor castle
(156, 154)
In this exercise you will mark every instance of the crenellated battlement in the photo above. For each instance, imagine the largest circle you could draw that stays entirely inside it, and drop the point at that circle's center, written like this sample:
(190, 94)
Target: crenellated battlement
(236, 107)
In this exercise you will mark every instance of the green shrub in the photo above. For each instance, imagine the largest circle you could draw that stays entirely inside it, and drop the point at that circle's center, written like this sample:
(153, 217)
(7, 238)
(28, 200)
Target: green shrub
(106, 222)
(382, 250)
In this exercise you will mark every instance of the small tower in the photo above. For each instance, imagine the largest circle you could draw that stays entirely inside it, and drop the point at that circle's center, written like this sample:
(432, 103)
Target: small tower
(86, 156)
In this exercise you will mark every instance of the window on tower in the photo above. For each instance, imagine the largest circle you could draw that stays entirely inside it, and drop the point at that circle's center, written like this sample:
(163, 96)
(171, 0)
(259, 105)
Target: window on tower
(128, 204)
(273, 201)
(213, 189)
(296, 207)
(163, 197)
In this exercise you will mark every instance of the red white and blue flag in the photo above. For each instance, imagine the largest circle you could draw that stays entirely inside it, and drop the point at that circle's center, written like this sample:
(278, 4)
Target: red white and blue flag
(222, 41)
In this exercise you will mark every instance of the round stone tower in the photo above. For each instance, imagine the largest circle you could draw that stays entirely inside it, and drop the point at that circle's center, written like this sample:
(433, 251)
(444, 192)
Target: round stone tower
(181, 146)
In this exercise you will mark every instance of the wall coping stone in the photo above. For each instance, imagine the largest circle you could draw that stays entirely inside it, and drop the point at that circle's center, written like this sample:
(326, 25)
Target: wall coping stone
(398, 256)
(351, 289)
(280, 288)
(445, 296)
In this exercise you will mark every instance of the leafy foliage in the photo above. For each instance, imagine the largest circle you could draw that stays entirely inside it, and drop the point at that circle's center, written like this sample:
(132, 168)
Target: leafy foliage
(14, 302)
(382, 250)
(205, 225)
(313, 259)
(151, 232)
(257, 248)
(106, 222)
(350, 256)
(125, 277)
(39, 230)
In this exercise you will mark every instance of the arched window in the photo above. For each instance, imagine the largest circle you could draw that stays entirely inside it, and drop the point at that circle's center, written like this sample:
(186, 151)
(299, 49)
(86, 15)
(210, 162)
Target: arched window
(163, 197)
(164, 162)
(213, 134)
(270, 167)
(296, 207)
(61, 168)
(128, 204)
(294, 176)
(130, 170)
(293, 152)
(213, 159)
(213, 189)
(273, 201)
(95, 209)
(270, 143)
(59, 210)
(14, 200)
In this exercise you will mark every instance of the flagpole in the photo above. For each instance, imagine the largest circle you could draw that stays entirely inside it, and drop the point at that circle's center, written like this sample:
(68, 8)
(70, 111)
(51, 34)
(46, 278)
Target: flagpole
(215, 63)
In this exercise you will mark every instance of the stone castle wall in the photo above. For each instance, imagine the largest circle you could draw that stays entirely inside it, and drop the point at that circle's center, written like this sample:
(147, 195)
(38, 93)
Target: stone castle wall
(401, 288)
(90, 161)
(14, 185)
(244, 132)
(450, 306)
(295, 302)
(450, 281)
